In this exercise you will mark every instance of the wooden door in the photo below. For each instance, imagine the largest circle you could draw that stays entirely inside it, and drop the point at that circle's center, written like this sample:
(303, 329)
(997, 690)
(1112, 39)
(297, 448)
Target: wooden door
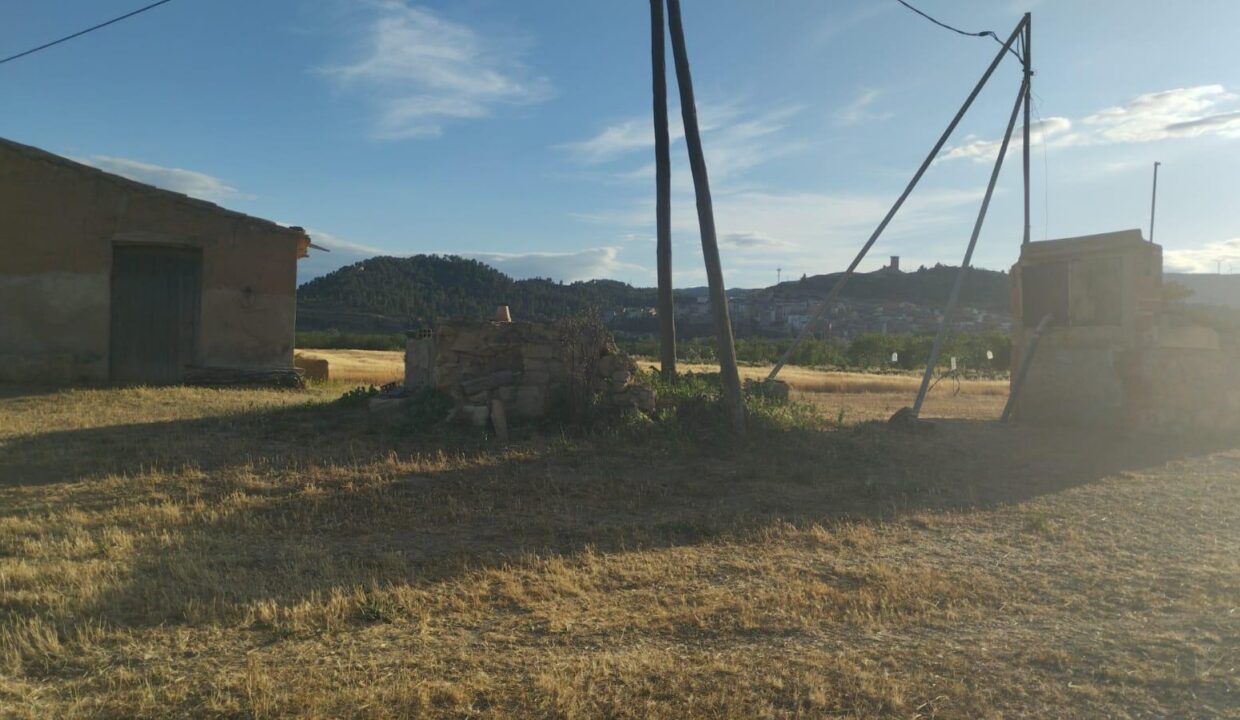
(156, 298)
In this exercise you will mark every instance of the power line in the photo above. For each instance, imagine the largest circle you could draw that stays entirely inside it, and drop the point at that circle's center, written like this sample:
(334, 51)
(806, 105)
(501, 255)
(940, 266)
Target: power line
(80, 33)
(982, 33)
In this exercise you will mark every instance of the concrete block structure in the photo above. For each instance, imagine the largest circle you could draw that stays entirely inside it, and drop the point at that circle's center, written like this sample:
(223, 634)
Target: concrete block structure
(1110, 355)
(107, 279)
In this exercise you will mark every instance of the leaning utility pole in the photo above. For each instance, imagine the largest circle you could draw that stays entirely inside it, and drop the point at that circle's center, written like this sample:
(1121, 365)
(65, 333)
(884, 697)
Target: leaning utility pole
(826, 303)
(729, 375)
(663, 194)
(949, 311)
(1027, 61)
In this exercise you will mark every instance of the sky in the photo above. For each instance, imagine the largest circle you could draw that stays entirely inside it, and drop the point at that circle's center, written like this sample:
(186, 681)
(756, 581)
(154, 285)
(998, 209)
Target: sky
(519, 133)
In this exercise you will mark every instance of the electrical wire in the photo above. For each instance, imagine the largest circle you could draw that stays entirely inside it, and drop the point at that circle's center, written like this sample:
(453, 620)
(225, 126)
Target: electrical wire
(1046, 187)
(80, 33)
(982, 33)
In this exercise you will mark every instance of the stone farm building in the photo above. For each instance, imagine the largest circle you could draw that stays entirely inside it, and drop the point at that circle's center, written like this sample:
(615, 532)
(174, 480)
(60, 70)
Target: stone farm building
(107, 279)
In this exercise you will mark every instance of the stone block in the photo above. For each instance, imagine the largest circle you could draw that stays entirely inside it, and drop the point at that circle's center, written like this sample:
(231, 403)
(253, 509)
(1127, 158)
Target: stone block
(531, 402)
(537, 351)
(476, 415)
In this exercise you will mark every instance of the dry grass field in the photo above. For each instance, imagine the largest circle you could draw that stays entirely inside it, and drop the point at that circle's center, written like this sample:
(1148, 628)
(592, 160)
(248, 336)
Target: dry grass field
(244, 553)
(371, 366)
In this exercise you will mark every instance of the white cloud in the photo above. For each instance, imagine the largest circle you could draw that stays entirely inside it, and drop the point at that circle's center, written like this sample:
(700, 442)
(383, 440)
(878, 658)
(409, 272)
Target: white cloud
(584, 264)
(637, 133)
(984, 151)
(335, 243)
(1205, 259)
(1181, 112)
(188, 182)
(619, 139)
(752, 241)
(735, 140)
(1171, 113)
(859, 110)
(423, 71)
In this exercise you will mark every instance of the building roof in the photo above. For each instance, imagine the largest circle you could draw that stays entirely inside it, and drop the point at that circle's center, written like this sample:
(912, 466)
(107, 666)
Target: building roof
(1101, 242)
(135, 186)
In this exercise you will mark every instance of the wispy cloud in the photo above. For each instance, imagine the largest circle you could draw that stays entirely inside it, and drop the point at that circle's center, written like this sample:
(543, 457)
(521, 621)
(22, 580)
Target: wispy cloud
(626, 136)
(752, 241)
(1178, 113)
(423, 71)
(735, 140)
(860, 110)
(598, 262)
(335, 243)
(1205, 259)
(1172, 113)
(189, 182)
(981, 150)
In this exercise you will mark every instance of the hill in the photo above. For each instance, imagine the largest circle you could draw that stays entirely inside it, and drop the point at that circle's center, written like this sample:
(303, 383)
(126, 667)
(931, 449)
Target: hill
(389, 294)
(985, 289)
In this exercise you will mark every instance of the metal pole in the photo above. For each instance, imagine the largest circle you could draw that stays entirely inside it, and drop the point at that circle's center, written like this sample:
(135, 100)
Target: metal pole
(925, 165)
(945, 323)
(663, 194)
(1028, 62)
(729, 375)
(1154, 200)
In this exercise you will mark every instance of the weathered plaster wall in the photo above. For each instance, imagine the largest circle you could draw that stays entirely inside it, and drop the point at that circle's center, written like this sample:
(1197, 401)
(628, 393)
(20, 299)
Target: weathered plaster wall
(1115, 360)
(58, 225)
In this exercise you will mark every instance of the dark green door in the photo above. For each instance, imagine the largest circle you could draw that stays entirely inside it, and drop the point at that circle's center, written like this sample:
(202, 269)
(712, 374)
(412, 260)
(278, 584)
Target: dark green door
(156, 296)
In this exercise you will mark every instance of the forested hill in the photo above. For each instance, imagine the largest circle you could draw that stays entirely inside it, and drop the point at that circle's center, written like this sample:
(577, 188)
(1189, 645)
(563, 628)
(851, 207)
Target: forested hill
(985, 289)
(390, 294)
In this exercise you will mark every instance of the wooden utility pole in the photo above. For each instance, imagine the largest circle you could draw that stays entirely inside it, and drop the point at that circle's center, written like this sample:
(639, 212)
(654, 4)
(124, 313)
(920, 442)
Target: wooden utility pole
(706, 222)
(663, 193)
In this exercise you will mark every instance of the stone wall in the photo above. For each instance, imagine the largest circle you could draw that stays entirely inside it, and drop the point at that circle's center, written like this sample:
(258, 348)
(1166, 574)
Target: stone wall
(1173, 389)
(531, 368)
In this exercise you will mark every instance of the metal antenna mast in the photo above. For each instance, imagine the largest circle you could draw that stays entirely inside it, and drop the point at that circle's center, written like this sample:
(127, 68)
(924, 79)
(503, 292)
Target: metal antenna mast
(1154, 199)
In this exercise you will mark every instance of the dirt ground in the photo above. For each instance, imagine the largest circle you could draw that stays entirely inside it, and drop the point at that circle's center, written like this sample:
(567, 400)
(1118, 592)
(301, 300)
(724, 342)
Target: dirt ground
(223, 553)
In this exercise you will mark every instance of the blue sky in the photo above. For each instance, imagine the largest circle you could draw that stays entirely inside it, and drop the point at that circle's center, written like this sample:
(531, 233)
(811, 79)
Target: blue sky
(519, 132)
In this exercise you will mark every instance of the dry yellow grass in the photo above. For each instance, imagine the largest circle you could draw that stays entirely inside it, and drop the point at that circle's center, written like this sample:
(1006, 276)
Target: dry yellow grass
(811, 380)
(212, 553)
(362, 366)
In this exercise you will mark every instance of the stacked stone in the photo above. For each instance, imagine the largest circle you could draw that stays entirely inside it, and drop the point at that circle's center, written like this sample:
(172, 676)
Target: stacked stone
(520, 364)
(614, 378)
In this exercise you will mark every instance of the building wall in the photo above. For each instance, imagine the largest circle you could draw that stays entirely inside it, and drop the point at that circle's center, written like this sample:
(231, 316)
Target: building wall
(1113, 359)
(58, 225)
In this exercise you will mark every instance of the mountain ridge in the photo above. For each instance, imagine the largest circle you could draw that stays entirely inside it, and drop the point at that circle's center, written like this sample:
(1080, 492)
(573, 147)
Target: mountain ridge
(390, 294)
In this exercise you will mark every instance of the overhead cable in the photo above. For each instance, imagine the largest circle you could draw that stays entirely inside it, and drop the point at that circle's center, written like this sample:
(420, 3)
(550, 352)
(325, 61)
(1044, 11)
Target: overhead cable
(80, 33)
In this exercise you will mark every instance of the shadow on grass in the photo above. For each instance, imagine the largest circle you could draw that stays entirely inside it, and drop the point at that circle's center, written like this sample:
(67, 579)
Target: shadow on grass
(311, 499)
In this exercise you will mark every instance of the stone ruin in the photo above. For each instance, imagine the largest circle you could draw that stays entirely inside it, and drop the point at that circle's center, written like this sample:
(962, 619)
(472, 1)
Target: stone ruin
(495, 370)
(1112, 352)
